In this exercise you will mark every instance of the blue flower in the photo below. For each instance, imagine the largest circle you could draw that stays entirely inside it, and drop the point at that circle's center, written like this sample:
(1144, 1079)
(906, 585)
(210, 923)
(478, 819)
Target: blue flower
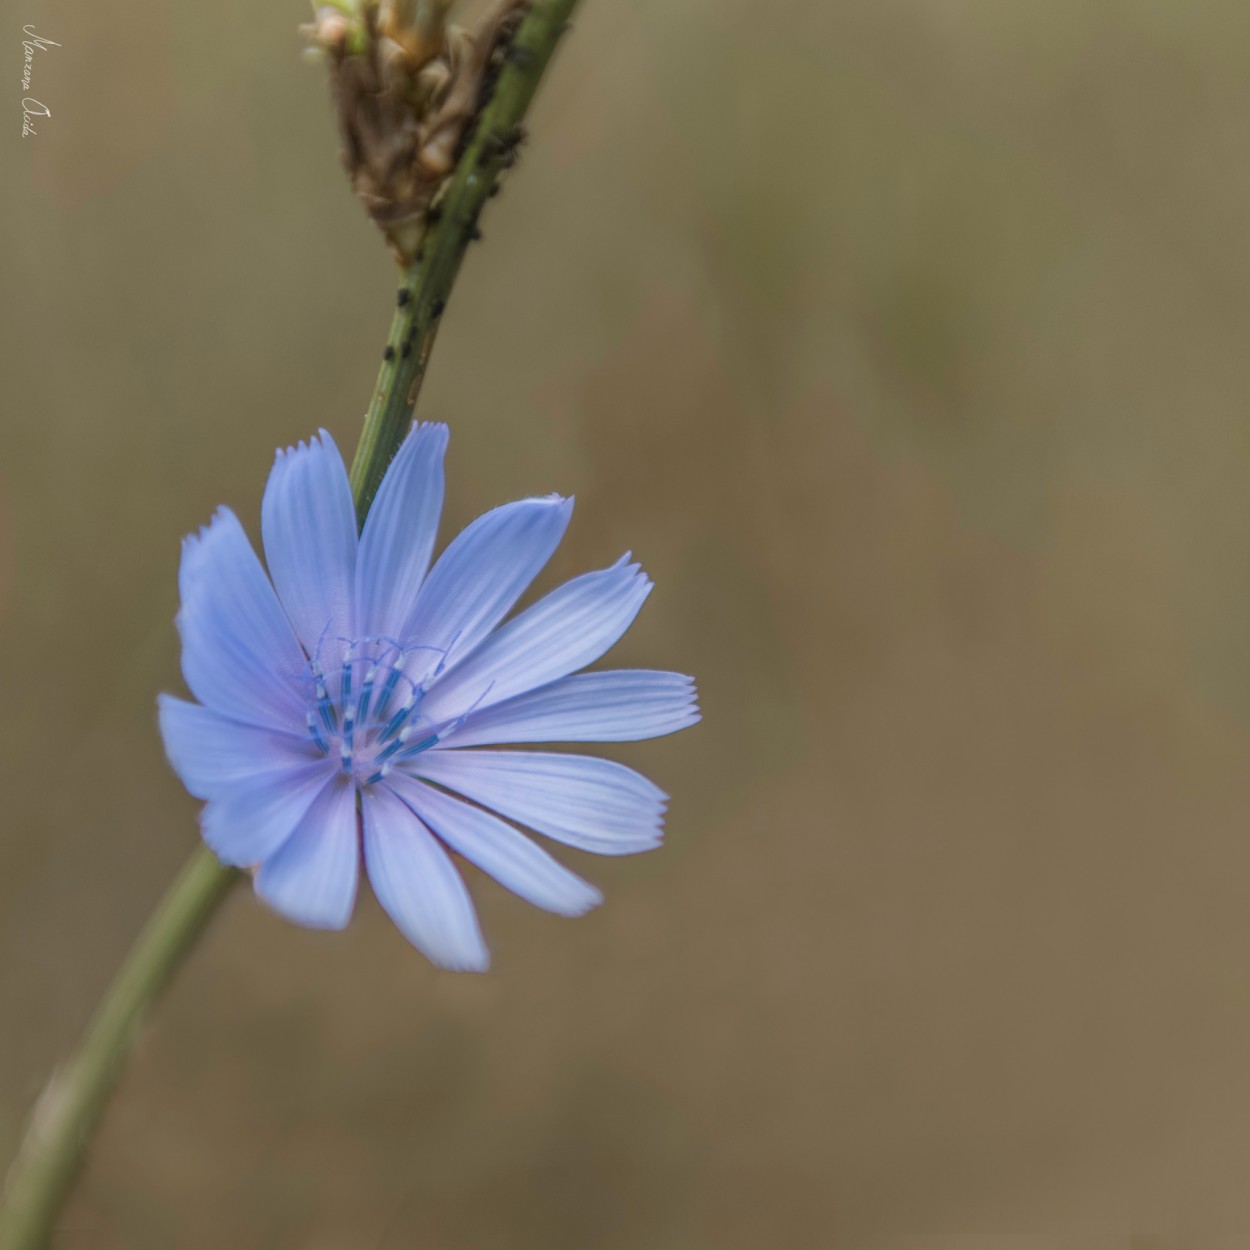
(336, 700)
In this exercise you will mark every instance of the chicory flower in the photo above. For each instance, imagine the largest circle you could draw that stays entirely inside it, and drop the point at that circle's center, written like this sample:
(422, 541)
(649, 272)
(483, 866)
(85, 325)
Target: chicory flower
(338, 702)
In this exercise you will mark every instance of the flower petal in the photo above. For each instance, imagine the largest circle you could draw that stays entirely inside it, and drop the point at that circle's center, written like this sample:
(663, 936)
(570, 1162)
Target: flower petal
(592, 804)
(620, 705)
(308, 524)
(246, 826)
(239, 655)
(570, 628)
(311, 878)
(399, 532)
(483, 572)
(212, 754)
(418, 886)
(499, 850)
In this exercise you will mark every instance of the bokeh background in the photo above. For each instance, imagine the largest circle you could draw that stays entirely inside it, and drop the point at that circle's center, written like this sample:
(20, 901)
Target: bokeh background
(906, 344)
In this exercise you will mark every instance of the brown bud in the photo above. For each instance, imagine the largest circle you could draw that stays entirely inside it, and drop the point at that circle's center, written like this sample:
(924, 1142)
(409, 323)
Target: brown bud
(408, 88)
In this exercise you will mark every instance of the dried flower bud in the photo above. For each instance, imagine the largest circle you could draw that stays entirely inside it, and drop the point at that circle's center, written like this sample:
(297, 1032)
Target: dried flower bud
(330, 30)
(408, 88)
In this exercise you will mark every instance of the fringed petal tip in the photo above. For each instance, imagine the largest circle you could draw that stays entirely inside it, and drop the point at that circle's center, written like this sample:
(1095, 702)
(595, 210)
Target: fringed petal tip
(323, 440)
(193, 543)
(430, 429)
(687, 691)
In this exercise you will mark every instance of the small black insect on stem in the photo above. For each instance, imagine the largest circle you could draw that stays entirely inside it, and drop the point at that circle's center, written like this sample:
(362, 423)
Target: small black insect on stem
(519, 55)
(389, 353)
(496, 143)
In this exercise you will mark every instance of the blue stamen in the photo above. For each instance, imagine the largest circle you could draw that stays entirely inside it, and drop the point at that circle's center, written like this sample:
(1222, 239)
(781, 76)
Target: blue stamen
(386, 754)
(345, 678)
(322, 745)
(392, 680)
(417, 748)
(366, 691)
(324, 706)
(396, 722)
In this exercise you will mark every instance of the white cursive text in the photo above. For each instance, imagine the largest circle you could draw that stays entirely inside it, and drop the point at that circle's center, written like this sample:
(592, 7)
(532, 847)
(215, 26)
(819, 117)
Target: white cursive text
(30, 107)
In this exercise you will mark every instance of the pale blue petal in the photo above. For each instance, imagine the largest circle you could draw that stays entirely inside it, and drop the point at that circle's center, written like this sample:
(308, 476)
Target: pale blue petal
(418, 886)
(570, 628)
(308, 523)
(246, 826)
(499, 850)
(621, 705)
(239, 655)
(212, 754)
(592, 804)
(399, 532)
(311, 878)
(483, 572)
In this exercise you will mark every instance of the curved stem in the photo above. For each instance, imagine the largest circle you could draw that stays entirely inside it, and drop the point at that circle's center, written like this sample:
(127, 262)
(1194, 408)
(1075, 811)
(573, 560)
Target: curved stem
(70, 1107)
(71, 1103)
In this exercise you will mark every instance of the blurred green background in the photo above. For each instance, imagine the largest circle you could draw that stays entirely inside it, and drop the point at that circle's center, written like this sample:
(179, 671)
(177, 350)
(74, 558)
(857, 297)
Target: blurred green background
(905, 343)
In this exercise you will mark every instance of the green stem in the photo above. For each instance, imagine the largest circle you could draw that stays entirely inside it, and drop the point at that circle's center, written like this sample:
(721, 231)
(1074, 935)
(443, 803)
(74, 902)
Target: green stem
(428, 280)
(70, 1107)
(71, 1103)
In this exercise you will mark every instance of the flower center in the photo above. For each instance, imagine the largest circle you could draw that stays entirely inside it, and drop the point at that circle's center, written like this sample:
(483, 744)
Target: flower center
(368, 713)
